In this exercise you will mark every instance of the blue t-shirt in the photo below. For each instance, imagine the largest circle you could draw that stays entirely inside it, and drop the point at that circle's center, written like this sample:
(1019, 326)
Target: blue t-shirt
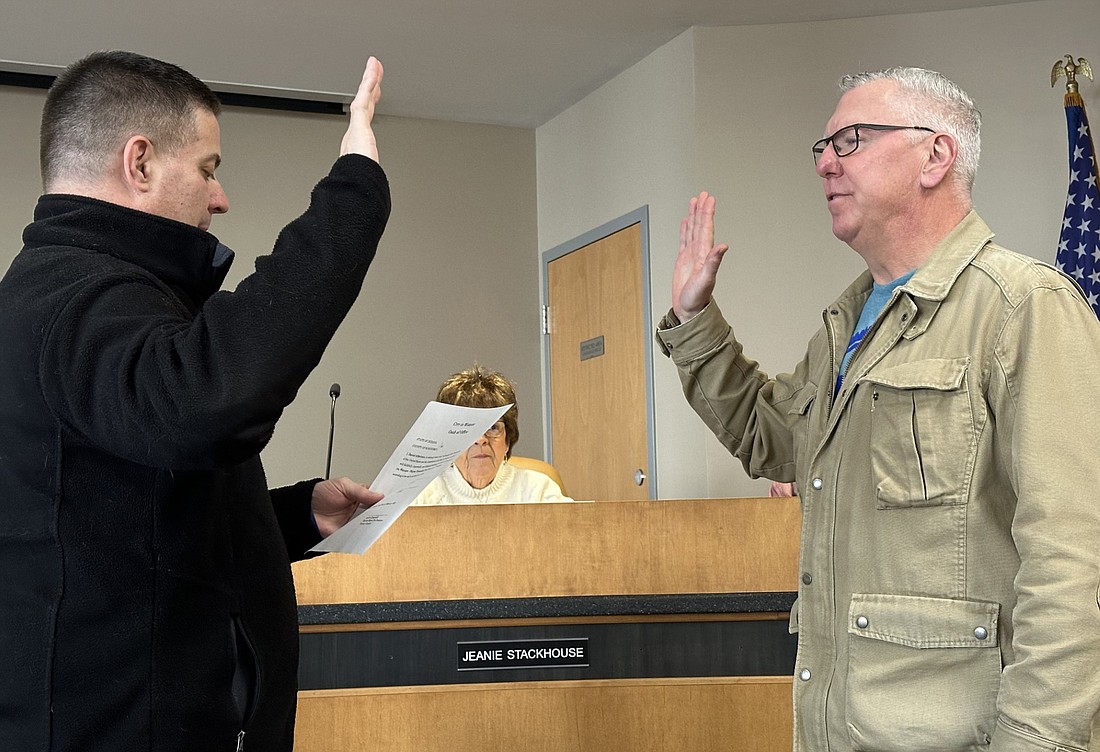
(880, 296)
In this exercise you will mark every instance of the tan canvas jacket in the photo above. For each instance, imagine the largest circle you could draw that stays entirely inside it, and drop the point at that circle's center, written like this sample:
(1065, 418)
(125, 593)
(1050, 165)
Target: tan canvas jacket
(950, 556)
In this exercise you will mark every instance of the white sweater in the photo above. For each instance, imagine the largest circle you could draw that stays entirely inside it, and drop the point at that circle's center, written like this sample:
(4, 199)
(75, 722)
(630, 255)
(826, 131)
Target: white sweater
(512, 485)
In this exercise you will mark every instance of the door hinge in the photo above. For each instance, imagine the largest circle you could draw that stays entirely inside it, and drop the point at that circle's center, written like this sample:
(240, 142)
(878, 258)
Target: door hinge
(545, 322)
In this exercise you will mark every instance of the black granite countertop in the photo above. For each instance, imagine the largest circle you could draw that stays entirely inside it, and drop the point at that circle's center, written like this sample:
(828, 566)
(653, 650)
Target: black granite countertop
(520, 608)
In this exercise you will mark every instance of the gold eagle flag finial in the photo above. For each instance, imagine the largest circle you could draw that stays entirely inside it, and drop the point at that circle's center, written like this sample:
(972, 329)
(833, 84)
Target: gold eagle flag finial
(1069, 69)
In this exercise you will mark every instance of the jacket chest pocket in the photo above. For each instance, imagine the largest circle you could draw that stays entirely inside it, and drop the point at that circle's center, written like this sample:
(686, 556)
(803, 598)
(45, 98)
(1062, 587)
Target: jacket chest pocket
(922, 433)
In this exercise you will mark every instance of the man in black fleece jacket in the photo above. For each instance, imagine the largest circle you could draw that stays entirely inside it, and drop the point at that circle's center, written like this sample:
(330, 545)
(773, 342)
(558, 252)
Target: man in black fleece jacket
(146, 600)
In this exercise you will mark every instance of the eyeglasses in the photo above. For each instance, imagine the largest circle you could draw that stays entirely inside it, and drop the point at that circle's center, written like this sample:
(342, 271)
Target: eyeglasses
(495, 431)
(846, 140)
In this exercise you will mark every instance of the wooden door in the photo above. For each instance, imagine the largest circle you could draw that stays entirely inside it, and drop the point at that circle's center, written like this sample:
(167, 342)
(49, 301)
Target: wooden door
(597, 343)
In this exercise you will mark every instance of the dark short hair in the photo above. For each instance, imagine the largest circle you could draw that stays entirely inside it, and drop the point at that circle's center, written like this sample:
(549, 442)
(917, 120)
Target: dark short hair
(100, 101)
(482, 387)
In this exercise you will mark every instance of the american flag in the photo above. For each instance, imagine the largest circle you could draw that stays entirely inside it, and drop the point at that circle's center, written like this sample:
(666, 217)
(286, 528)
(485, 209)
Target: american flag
(1079, 247)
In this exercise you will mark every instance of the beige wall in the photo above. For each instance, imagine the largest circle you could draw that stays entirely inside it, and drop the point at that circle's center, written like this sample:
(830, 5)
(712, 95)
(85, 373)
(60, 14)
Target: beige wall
(455, 279)
(631, 144)
(731, 110)
(755, 98)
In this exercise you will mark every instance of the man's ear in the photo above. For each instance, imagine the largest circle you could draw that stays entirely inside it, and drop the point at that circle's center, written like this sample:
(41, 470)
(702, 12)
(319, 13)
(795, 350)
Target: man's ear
(137, 159)
(941, 156)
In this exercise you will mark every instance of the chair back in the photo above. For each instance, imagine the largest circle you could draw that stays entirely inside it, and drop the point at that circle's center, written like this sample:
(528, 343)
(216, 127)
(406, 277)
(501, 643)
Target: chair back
(530, 463)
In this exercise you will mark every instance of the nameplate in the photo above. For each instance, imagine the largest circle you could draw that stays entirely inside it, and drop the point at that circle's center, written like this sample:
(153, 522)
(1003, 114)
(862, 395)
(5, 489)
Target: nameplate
(494, 655)
(592, 348)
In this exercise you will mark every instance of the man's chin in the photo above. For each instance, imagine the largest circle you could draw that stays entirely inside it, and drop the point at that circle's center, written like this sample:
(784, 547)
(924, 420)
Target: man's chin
(842, 231)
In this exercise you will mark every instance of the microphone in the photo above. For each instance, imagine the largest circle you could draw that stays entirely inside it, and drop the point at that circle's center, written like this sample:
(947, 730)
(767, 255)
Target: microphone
(334, 392)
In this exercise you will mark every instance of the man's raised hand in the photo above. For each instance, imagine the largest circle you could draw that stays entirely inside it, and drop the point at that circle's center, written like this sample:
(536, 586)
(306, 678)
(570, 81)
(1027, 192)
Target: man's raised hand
(698, 260)
(359, 138)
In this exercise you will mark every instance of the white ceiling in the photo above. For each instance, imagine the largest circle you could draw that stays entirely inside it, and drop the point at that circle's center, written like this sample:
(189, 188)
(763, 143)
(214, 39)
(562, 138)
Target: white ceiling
(510, 62)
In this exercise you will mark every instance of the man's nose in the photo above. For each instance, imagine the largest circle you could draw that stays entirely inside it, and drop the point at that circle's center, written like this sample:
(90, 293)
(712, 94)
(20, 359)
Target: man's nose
(219, 202)
(828, 163)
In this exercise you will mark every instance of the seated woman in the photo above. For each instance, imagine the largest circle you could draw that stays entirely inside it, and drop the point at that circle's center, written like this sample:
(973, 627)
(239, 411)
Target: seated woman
(482, 474)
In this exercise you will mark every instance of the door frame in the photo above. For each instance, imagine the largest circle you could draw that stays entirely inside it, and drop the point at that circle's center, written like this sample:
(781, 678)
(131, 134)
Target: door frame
(640, 217)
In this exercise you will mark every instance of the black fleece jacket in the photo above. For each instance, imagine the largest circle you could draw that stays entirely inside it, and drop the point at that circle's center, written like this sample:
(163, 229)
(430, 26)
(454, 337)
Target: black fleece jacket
(146, 600)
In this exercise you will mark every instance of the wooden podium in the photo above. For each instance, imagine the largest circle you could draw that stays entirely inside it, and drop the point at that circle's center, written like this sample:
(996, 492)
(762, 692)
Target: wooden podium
(595, 626)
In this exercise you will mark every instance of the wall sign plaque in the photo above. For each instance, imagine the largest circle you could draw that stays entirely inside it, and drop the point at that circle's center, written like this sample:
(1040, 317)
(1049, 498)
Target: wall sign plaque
(592, 348)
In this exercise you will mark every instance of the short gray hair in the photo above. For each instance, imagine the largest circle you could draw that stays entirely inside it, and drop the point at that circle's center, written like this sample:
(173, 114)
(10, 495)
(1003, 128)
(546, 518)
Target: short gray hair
(934, 101)
(98, 102)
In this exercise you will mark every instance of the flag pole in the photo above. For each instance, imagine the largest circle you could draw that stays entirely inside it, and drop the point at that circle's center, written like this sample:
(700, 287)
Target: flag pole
(1072, 98)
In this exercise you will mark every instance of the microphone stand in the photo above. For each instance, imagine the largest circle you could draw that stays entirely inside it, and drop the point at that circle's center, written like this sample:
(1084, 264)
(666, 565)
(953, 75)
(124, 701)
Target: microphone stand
(334, 392)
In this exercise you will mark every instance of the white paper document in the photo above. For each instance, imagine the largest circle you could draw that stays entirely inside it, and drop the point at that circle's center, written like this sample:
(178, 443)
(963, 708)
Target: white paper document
(441, 433)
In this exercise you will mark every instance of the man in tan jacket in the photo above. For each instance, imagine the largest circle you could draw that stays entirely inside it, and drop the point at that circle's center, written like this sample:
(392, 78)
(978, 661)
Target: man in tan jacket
(941, 429)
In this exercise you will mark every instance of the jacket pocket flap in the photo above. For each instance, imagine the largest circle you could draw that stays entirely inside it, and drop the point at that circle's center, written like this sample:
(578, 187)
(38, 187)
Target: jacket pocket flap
(944, 374)
(923, 622)
(802, 399)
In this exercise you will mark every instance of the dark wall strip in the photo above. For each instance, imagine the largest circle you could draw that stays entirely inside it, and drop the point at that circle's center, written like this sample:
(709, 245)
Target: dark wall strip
(230, 99)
